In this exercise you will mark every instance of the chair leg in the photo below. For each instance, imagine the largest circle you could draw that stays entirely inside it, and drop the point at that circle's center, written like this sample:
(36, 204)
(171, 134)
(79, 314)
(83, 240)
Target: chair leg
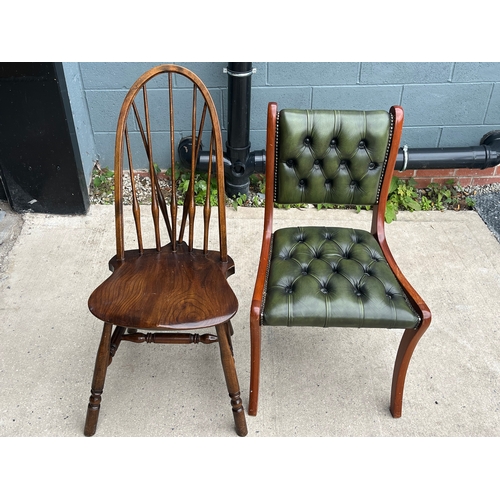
(255, 354)
(228, 365)
(231, 333)
(115, 342)
(406, 347)
(101, 365)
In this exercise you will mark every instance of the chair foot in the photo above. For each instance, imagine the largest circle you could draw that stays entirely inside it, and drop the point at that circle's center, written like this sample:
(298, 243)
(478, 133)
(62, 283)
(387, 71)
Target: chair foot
(255, 348)
(395, 413)
(92, 415)
(101, 365)
(406, 347)
(239, 415)
(253, 400)
(229, 368)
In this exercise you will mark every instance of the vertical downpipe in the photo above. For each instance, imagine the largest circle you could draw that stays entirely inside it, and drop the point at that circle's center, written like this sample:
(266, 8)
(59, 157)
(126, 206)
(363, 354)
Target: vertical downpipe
(238, 127)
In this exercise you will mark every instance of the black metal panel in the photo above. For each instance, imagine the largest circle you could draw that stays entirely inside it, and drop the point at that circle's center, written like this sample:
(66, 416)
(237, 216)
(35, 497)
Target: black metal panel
(3, 194)
(40, 165)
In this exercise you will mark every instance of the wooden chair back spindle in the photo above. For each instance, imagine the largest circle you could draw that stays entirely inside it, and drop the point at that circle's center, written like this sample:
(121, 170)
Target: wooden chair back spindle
(135, 203)
(190, 203)
(161, 199)
(207, 207)
(173, 197)
(152, 174)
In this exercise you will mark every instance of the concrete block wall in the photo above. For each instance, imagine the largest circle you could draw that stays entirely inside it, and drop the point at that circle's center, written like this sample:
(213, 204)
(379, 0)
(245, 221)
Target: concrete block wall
(446, 104)
(81, 117)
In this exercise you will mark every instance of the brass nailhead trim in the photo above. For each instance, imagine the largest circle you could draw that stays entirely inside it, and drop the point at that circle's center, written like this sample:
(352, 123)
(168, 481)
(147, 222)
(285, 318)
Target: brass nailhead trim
(384, 166)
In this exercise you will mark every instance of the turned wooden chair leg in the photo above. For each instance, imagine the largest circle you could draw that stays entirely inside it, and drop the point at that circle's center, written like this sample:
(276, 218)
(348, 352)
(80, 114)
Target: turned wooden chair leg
(231, 333)
(115, 342)
(101, 365)
(406, 347)
(228, 365)
(255, 347)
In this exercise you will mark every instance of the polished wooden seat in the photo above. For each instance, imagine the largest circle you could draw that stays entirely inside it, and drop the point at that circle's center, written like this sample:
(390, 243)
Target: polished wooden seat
(136, 293)
(328, 276)
(157, 294)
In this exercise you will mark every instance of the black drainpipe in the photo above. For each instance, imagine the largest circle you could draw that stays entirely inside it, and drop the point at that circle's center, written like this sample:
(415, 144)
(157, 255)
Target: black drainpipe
(239, 162)
(243, 162)
(486, 155)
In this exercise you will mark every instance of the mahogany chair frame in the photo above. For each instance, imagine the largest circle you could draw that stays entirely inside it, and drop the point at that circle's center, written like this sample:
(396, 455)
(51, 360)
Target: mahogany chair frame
(204, 298)
(410, 337)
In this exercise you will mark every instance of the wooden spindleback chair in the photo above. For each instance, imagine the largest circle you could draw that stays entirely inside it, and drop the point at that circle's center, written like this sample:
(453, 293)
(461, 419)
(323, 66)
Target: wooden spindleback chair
(329, 276)
(159, 294)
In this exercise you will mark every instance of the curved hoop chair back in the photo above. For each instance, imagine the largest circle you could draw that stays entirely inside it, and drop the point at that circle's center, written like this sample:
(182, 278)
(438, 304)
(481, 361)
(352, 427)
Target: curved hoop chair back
(149, 128)
(167, 277)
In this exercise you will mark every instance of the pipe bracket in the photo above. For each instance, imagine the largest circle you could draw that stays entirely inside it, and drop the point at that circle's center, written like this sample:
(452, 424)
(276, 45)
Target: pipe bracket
(239, 75)
(405, 158)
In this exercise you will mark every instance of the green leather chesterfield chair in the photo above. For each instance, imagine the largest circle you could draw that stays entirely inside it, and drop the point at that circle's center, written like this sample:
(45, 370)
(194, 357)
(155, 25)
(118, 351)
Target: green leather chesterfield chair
(328, 276)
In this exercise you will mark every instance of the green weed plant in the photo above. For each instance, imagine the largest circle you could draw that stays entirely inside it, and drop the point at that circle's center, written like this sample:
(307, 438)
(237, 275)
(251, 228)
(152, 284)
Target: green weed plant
(403, 193)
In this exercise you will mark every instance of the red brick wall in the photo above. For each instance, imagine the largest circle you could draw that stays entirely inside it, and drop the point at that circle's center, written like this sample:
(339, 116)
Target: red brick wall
(464, 176)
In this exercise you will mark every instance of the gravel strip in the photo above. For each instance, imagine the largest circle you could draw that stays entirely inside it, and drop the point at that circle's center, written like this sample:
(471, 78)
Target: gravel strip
(487, 205)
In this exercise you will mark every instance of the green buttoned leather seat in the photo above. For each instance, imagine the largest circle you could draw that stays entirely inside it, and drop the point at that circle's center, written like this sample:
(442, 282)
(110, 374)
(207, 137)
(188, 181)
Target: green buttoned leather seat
(330, 276)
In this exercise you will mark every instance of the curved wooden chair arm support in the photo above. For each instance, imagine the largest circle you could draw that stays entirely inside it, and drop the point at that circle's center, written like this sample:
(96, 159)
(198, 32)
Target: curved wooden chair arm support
(378, 221)
(416, 300)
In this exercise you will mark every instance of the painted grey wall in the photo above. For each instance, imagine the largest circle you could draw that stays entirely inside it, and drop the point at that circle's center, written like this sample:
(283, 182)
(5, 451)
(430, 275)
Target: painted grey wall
(446, 104)
(81, 117)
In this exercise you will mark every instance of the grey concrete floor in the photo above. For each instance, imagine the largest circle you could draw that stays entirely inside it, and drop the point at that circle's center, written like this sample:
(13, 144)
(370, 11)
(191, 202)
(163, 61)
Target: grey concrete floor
(314, 382)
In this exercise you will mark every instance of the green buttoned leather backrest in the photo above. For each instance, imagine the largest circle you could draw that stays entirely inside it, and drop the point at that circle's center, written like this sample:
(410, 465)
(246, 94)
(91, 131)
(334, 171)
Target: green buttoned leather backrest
(331, 156)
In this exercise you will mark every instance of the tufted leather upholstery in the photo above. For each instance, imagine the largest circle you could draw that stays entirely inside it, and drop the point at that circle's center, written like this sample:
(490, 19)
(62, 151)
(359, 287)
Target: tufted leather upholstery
(331, 156)
(331, 276)
(327, 276)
